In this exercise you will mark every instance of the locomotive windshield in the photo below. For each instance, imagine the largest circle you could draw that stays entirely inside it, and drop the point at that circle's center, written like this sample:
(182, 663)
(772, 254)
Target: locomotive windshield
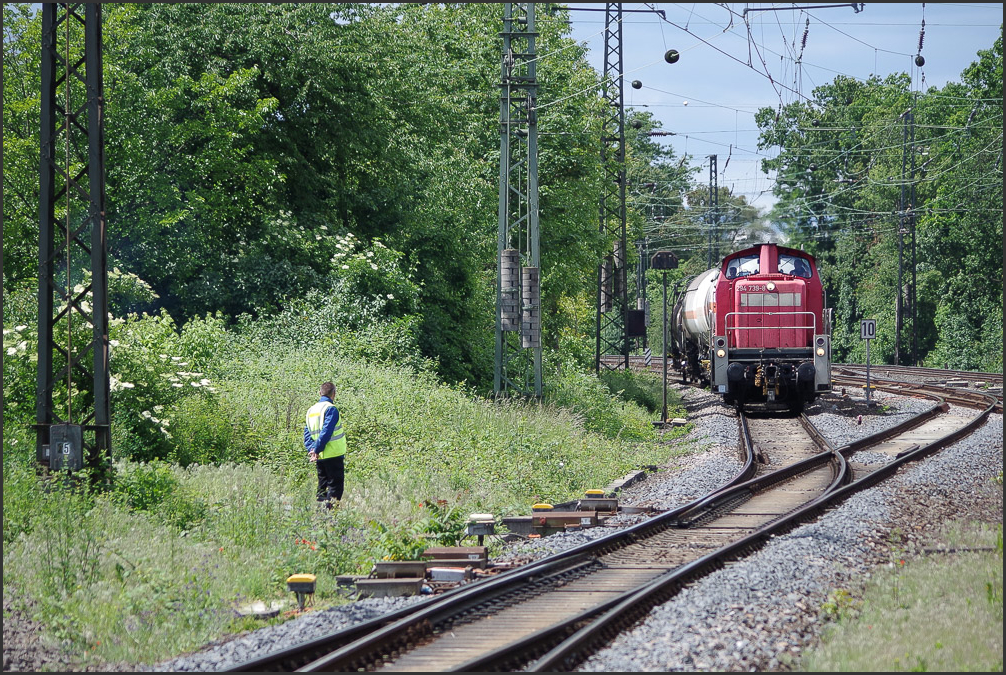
(742, 266)
(795, 265)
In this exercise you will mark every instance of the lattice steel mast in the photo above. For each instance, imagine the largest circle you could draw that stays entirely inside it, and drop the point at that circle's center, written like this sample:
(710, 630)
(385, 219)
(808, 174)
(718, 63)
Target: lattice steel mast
(612, 290)
(906, 226)
(518, 287)
(71, 398)
(713, 212)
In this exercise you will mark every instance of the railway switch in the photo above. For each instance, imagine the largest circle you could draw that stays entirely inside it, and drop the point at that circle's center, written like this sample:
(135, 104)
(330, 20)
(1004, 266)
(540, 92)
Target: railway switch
(481, 524)
(302, 585)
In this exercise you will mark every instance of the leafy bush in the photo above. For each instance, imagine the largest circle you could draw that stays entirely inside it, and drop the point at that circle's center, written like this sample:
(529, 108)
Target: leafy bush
(142, 486)
(397, 541)
(444, 525)
(152, 370)
(643, 389)
(20, 359)
(602, 411)
(204, 433)
(21, 488)
(370, 291)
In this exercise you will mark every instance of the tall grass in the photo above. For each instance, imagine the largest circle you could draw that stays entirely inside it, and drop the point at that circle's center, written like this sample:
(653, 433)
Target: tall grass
(163, 563)
(937, 613)
(495, 454)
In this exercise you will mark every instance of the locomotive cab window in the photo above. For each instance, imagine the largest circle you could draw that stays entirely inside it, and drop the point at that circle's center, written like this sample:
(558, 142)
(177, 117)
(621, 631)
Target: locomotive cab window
(742, 266)
(794, 265)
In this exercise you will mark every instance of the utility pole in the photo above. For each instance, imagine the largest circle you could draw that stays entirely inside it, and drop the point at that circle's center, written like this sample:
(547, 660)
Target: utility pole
(518, 284)
(911, 221)
(612, 291)
(642, 245)
(72, 379)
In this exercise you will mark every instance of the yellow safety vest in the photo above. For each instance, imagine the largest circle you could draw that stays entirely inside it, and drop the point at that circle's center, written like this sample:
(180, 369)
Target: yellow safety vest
(336, 445)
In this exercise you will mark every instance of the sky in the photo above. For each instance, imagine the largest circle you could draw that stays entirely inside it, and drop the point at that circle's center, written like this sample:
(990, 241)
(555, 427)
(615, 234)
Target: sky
(708, 98)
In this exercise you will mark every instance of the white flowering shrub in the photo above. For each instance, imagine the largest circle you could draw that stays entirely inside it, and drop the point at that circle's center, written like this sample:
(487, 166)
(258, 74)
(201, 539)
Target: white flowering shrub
(371, 282)
(20, 356)
(152, 364)
(369, 311)
(153, 367)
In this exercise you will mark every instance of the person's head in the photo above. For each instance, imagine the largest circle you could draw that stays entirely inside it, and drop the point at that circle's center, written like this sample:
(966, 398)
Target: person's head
(327, 389)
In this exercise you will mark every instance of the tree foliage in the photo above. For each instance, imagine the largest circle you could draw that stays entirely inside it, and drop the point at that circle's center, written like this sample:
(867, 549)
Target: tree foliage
(247, 143)
(854, 187)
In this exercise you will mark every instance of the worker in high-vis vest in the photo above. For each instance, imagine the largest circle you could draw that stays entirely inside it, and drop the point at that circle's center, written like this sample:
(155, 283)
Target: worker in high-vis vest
(325, 441)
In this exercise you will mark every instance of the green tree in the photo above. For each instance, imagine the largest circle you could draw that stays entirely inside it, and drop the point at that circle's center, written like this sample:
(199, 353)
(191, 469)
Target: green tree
(846, 165)
(22, 40)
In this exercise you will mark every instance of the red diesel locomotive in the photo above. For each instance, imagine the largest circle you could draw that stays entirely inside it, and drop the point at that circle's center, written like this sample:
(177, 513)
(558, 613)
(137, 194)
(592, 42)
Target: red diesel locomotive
(756, 328)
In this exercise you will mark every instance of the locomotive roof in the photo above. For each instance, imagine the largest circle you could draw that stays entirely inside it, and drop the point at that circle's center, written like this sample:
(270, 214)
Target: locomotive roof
(782, 249)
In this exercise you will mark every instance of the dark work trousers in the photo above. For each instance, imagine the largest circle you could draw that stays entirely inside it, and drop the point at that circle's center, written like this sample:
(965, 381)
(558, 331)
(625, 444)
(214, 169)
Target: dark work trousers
(331, 474)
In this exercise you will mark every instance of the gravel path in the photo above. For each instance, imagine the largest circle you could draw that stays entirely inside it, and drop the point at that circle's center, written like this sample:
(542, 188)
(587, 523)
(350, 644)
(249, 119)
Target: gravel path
(756, 614)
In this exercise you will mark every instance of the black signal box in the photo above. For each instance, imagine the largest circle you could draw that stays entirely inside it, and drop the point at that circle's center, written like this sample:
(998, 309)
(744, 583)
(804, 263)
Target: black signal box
(663, 260)
(66, 447)
(635, 323)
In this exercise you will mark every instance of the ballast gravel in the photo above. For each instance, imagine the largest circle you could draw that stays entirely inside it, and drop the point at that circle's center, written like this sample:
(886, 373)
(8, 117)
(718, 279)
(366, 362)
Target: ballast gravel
(762, 612)
(758, 613)
(227, 654)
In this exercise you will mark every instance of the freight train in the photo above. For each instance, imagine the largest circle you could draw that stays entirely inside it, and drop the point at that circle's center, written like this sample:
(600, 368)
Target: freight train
(756, 329)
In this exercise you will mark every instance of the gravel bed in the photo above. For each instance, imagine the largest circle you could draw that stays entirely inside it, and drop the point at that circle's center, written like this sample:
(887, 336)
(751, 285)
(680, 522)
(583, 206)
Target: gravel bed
(844, 419)
(756, 614)
(762, 612)
(229, 653)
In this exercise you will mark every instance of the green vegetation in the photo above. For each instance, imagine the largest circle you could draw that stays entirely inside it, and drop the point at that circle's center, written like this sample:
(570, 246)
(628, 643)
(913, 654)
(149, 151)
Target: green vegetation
(212, 505)
(300, 192)
(940, 613)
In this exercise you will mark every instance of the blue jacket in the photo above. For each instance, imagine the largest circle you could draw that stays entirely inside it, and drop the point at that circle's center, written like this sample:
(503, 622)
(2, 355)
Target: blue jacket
(331, 420)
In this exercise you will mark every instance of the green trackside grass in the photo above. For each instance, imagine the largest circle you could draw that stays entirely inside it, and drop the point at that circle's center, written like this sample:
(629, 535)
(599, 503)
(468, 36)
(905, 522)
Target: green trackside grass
(162, 564)
(939, 613)
(498, 455)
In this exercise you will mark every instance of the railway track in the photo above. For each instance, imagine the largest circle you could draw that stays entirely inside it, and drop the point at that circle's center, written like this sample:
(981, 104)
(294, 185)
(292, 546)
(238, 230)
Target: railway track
(955, 386)
(936, 376)
(551, 614)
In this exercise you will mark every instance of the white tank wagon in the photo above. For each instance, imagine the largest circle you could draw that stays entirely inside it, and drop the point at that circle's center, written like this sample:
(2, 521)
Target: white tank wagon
(693, 321)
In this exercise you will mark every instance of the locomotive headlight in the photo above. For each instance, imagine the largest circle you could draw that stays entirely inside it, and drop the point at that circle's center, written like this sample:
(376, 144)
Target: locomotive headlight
(770, 286)
(721, 353)
(820, 351)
